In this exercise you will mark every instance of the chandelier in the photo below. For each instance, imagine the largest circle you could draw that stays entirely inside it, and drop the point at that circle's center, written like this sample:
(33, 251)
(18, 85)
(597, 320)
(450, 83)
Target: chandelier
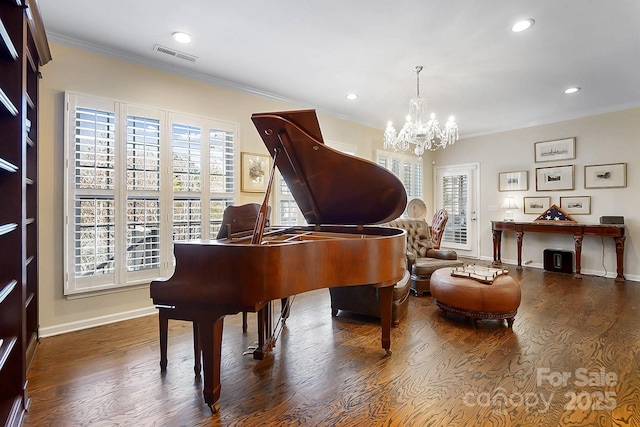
(424, 135)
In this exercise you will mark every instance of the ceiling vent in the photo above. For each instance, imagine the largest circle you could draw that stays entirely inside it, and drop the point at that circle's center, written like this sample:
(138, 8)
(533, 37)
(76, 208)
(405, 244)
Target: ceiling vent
(174, 53)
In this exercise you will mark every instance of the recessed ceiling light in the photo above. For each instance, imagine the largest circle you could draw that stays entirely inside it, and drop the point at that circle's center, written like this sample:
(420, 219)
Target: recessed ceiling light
(572, 90)
(181, 37)
(352, 96)
(522, 25)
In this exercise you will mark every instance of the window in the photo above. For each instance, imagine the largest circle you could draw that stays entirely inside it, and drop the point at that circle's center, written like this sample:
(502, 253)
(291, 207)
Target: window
(131, 188)
(203, 170)
(456, 187)
(455, 200)
(408, 169)
(288, 212)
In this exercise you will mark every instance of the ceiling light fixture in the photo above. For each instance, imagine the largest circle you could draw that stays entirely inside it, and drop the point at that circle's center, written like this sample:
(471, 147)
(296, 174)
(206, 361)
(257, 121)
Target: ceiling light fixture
(522, 25)
(352, 96)
(181, 37)
(424, 135)
(572, 90)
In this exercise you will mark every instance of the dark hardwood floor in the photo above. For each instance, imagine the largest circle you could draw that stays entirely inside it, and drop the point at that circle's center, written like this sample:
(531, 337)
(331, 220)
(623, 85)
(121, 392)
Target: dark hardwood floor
(572, 359)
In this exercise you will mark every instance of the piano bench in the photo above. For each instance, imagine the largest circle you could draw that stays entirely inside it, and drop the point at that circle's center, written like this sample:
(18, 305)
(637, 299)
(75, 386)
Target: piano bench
(164, 314)
(363, 299)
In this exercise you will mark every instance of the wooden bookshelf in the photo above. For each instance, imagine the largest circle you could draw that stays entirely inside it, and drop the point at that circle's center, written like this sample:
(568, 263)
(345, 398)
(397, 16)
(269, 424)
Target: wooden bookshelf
(23, 49)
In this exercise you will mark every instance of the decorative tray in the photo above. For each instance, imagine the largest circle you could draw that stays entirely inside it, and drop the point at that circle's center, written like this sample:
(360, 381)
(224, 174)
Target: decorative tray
(479, 273)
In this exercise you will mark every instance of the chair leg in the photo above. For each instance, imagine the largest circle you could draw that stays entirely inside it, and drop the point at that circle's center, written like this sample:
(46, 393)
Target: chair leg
(244, 322)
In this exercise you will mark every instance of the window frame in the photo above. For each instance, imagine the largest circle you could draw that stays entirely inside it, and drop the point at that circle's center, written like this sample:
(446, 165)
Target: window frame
(124, 276)
(414, 183)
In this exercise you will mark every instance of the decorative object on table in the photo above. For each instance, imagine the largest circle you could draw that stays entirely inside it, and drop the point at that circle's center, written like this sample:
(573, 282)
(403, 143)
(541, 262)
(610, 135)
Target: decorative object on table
(416, 209)
(576, 205)
(417, 130)
(554, 178)
(559, 149)
(255, 172)
(513, 181)
(608, 219)
(509, 204)
(480, 273)
(536, 205)
(610, 175)
(554, 214)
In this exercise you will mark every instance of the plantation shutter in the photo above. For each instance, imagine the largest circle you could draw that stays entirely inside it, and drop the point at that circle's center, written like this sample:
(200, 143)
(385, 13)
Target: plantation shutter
(455, 199)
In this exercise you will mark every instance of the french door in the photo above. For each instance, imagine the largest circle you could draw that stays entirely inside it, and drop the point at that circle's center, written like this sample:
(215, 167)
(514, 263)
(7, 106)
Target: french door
(456, 190)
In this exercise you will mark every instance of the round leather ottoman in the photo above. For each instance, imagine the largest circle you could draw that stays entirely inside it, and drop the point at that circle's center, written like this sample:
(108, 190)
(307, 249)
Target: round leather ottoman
(474, 299)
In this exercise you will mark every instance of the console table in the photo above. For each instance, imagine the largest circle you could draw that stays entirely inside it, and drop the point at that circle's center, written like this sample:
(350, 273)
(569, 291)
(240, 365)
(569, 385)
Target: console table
(560, 227)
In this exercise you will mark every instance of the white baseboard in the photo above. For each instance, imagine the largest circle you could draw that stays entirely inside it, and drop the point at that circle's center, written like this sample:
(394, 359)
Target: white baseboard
(95, 321)
(609, 274)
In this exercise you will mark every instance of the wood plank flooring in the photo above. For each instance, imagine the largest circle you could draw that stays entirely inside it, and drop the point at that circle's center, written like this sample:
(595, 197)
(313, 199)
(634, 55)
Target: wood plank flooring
(572, 359)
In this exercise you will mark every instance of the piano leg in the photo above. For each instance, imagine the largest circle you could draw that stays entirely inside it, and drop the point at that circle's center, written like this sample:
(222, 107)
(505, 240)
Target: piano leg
(211, 341)
(163, 322)
(265, 331)
(285, 307)
(386, 299)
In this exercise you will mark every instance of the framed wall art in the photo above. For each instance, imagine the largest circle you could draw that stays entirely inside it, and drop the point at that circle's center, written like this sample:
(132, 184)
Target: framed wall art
(605, 176)
(536, 205)
(554, 178)
(513, 181)
(255, 172)
(576, 204)
(559, 149)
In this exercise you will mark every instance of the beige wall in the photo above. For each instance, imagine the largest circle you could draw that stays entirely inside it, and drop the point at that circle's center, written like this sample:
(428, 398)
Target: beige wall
(82, 72)
(606, 138)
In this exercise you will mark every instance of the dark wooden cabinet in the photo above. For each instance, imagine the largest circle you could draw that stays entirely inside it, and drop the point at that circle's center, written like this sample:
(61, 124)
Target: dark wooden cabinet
(23, 49)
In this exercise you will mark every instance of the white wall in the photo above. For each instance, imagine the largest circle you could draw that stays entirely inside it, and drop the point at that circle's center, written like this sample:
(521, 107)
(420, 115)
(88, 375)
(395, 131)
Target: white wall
(87, 73)
(606, 138)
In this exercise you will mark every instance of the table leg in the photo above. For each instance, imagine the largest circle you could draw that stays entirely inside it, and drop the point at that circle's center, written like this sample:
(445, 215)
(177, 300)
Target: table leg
(519, 235)
(497, 240)
(578, 244)
(620, 257)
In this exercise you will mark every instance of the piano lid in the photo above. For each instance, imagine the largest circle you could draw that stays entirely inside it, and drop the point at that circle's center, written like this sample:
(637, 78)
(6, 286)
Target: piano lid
(330, 187)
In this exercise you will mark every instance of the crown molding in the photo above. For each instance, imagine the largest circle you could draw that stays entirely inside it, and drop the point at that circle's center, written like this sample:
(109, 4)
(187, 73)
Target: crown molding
(182, 72)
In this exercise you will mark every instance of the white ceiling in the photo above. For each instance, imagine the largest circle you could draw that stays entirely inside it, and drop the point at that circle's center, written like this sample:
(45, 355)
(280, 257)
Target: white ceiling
(312, 53)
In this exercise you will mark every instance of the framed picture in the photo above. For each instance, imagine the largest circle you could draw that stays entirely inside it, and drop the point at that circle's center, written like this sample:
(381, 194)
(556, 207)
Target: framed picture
(255, 172)
(554, 178)
(513, 181)
(536, 205)
(605, 176)
(559, 149)
(576, 204)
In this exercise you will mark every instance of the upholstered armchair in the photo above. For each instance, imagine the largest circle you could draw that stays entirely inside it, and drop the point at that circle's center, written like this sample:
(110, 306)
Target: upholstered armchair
(424, 255)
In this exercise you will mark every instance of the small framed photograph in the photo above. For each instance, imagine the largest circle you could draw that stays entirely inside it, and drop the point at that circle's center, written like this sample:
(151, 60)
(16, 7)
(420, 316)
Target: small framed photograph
(513, 181)
(576, 205)
(605, 176)
(554, 178)
(559, 149)
(255, 172)
(536, 205)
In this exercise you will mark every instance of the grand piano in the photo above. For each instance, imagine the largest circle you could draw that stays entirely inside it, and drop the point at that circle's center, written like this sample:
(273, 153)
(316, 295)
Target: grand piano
(340, 196)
